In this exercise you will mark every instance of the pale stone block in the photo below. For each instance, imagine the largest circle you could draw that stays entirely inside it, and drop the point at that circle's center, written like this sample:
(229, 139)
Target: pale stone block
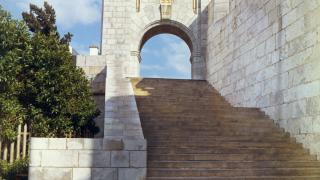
(57, 143)
(289, 18)
(35, 173)
(104, 174)
(94, 159)
(132, 173)
(313, 106)
(75, 143)
(295, 30)
(306, 125)
(95, 61)
(113, 144)
(59, 158)
(81, 174)
(95, 144)
(57, 173)
(39, 143)
(35, 158)
(80, 61)
(135, 144)
(120, 159)
(138, 159)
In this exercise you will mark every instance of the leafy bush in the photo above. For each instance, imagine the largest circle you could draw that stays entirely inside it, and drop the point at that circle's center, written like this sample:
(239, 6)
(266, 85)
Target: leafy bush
(15, 40)
(9, 171)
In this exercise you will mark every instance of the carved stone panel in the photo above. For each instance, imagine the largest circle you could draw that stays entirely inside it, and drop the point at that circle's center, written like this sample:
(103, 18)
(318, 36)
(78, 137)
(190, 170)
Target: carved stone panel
(166, 8)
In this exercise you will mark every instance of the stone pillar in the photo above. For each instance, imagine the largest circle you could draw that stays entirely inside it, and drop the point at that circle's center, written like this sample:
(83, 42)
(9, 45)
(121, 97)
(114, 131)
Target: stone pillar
(134, 64)
(198, 68)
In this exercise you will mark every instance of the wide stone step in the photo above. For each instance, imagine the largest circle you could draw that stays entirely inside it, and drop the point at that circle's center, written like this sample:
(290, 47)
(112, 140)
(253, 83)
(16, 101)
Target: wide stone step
(228, 157)
(213, 132)
(170, 172)
(224, 144)
(200, 117)
(209, 108)
(239, 178)
(210, 129)
(226, 126)
(232, 164)
(221, 139)
(254, 136)
(227, 150)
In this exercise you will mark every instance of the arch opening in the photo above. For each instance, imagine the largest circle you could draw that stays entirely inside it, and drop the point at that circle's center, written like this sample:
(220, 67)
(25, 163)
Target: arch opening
(165, 56)
(167, 29)
(176, 30)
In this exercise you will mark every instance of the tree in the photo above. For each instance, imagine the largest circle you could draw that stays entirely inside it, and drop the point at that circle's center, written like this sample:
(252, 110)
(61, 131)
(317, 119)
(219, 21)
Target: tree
(44, 21)
(14, 38)
(39, 84)
(57, 94)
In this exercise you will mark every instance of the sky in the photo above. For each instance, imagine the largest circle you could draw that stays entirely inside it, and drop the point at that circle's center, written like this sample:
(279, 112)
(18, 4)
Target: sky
(164, 56)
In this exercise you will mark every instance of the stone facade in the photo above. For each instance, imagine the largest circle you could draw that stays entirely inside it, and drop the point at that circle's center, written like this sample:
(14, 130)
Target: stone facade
(266, 54)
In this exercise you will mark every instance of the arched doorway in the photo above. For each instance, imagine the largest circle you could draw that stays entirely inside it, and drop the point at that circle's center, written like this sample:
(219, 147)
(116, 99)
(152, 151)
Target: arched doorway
(165, 56)
(179, 30)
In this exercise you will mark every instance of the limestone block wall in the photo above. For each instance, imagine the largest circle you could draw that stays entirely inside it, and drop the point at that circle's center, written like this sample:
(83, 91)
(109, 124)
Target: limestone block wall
(86, 159)
(95, 69)
(266, 54)
(218, 9)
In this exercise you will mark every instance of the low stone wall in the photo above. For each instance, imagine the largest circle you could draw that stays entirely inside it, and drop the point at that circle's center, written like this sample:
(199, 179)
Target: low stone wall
(87, 159)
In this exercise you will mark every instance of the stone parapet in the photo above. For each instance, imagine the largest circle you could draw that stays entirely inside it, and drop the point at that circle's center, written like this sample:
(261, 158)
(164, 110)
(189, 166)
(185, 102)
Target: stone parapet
(87, 159)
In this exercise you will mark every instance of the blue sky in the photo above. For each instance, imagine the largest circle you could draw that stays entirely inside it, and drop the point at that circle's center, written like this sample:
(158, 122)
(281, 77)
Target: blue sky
(164, 55)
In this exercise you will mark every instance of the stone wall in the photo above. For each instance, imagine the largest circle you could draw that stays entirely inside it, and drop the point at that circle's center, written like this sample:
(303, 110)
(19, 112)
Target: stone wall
(95, 69)
(218, 9)
(266, 54)
(86, 159)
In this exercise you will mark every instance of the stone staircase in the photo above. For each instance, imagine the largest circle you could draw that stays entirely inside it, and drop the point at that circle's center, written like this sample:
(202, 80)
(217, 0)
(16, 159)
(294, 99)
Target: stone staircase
(193, 133)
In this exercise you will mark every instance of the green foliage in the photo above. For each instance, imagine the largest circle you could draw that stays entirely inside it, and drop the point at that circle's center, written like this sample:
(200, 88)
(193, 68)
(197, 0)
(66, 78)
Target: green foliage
(39, 84)
(14, 41)
(44, 21)
(57, 93)
(9, 171)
